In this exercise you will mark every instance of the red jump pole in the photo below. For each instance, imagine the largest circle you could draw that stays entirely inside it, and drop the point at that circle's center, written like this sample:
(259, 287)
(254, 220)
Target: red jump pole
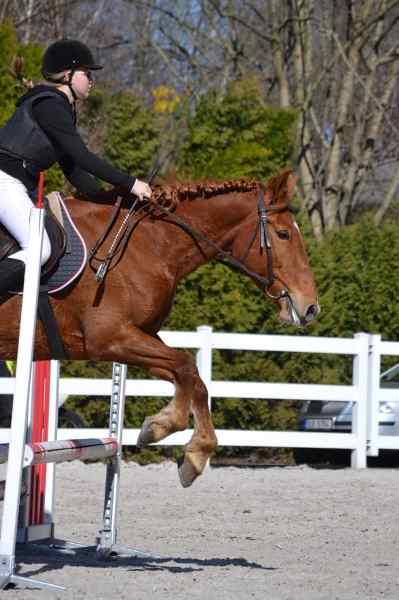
(40, 416)
(40, 190)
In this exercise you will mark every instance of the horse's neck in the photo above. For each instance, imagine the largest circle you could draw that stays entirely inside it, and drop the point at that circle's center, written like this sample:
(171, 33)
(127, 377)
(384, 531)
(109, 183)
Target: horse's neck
(218, 218)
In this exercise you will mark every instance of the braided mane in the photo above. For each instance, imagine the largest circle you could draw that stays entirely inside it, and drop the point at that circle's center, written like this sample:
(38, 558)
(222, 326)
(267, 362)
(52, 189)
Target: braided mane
(182, 191)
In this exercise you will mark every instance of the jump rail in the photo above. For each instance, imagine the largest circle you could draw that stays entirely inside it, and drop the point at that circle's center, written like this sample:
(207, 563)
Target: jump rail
(41, 453)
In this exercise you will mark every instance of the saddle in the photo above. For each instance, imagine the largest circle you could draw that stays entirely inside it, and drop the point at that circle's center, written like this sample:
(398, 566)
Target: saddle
(56, 233)
(68, 249)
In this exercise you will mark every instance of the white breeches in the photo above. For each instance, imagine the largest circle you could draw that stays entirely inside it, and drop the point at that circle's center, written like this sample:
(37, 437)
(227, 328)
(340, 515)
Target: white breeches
(15, 206)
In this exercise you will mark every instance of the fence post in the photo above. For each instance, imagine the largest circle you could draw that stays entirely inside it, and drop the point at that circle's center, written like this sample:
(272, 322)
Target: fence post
(359, 408)
(373, 397)
(204, 359)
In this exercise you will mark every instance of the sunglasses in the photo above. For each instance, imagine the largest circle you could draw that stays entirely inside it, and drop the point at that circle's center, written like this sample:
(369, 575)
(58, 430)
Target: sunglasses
(88, 74)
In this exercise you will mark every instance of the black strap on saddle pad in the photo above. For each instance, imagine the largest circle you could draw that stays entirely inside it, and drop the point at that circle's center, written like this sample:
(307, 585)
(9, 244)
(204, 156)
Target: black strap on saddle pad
(47, 317)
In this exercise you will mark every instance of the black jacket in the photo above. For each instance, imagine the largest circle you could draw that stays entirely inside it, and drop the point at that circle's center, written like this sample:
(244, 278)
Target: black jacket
(41, 132)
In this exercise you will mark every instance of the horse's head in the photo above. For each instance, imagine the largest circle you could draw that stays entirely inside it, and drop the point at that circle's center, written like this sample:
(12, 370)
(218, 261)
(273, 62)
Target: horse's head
(277, 253)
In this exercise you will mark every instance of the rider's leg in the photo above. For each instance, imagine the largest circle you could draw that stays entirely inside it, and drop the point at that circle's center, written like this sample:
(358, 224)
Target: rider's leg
(15, 207)
(11, 275)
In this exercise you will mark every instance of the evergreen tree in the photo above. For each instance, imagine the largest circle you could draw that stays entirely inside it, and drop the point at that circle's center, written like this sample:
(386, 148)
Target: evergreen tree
(131, 138)
(9, 87)
(237, 136)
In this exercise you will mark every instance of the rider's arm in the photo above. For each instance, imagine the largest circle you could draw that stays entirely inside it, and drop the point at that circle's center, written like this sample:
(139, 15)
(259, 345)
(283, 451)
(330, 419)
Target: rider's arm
(57, 121)
(80, 179)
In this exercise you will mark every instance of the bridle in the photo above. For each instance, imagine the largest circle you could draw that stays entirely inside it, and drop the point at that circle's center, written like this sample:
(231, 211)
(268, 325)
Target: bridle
(265, 245)
(119, 242)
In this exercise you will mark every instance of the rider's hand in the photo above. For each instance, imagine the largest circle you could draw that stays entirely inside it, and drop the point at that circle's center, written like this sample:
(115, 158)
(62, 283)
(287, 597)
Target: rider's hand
(142, 190)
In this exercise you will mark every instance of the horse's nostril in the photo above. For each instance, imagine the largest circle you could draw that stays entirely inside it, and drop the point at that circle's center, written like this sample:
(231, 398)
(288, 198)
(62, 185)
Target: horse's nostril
(311, 312)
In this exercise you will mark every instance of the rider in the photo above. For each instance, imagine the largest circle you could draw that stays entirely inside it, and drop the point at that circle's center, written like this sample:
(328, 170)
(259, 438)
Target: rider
(41, 132)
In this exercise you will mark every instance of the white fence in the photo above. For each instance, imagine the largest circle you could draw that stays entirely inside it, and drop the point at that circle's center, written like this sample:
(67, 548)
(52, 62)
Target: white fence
(365, 392)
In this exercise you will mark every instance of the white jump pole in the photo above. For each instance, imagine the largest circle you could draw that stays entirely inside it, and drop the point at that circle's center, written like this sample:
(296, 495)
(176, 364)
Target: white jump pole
(9, 524)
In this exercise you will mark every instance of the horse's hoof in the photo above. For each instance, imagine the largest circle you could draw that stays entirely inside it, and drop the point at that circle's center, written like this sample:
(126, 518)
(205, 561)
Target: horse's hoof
(187, 473)
(146, 435)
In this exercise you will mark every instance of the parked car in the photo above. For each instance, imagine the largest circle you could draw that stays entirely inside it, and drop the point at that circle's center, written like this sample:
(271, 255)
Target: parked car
(332, 416)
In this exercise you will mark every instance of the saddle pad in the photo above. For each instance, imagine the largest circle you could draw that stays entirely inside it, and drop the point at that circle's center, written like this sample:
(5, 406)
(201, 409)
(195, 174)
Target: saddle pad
(72, 263)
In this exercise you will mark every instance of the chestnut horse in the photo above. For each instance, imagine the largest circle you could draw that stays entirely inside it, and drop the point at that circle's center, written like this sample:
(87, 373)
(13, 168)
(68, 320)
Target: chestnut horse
(121, 324)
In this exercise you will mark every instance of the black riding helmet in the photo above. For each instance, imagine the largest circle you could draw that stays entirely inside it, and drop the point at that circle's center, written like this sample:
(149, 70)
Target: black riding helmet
(67, 54)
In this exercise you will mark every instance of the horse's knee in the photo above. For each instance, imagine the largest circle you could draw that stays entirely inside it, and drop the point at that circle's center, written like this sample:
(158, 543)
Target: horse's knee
(200, 390)
(185, 368)
(187, 373)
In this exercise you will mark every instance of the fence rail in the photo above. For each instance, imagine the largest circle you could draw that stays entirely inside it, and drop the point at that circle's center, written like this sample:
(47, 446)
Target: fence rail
(365, 392)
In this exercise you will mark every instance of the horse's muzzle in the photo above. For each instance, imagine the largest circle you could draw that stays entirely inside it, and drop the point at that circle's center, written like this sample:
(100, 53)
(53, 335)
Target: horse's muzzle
(295, 315)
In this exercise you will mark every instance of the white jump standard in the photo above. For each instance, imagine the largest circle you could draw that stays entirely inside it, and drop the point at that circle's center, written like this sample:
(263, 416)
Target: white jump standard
(66, 450)
(23, 378)
(106, 545)
(21, 454)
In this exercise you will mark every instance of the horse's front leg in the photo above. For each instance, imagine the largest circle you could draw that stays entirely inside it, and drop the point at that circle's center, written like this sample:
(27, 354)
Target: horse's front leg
(190, 392)
(134, 347)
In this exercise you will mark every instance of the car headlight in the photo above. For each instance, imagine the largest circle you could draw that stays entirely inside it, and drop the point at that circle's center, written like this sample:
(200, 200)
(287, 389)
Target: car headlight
(386, 408)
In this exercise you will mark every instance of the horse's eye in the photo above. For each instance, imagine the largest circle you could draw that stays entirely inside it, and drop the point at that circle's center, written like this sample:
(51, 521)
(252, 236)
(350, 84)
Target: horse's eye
(284, 234)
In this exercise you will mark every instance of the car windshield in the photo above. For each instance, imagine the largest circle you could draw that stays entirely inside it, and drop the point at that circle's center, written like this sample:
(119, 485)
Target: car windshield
(391, 377)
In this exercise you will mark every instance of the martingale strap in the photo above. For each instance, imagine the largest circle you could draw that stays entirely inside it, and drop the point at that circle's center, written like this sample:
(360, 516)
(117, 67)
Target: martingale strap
(119, 243)
(114, 214)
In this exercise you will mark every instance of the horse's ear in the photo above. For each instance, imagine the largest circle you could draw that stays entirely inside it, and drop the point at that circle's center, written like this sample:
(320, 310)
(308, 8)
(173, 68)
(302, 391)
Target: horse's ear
(291, 185)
